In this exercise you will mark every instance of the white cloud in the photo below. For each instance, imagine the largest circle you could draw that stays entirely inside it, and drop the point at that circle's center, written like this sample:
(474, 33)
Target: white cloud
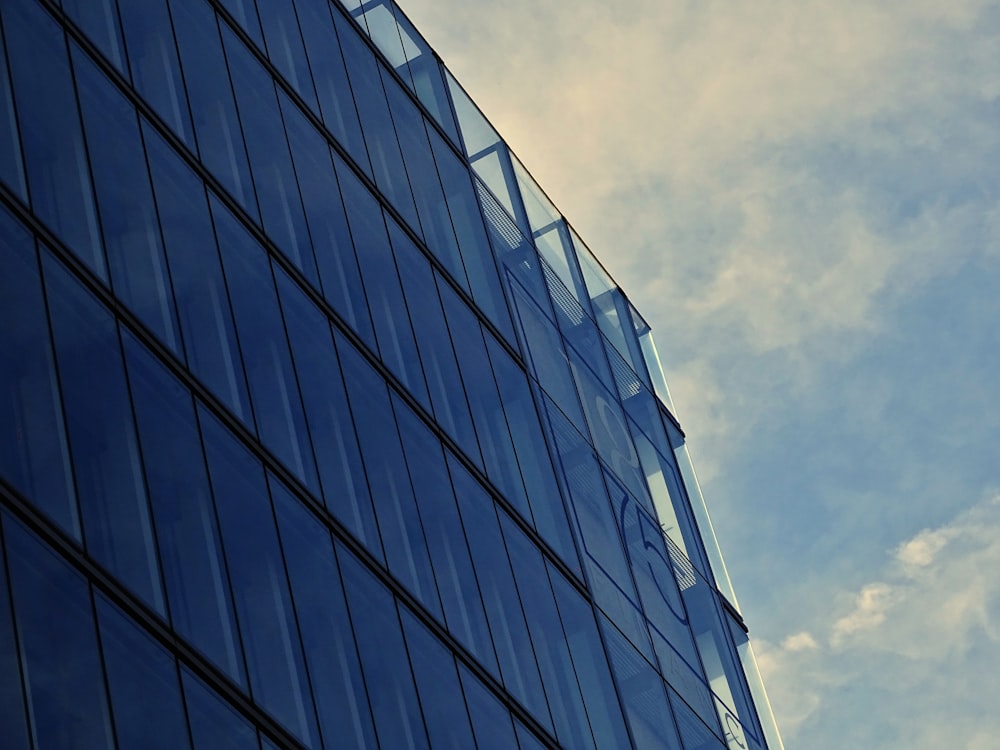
(923, 635)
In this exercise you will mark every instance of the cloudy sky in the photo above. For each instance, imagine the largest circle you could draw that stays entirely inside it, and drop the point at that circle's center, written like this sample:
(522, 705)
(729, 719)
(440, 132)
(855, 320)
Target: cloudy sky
(803, 199)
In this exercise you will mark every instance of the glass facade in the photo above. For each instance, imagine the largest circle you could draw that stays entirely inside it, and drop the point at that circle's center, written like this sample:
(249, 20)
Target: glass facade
(319, 424)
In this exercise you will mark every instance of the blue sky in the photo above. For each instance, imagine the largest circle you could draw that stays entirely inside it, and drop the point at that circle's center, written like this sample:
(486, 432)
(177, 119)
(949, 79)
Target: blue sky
(802, 197)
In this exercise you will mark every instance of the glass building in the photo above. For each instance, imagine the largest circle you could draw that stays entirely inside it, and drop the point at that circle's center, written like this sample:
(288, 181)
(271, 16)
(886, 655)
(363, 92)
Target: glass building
(319, 425)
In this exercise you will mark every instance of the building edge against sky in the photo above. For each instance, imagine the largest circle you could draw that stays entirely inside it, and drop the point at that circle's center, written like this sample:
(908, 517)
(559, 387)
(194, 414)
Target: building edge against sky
(468, 516)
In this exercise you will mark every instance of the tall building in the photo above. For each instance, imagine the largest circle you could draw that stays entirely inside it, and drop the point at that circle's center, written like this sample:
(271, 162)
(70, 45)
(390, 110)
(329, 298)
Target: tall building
(319, 425)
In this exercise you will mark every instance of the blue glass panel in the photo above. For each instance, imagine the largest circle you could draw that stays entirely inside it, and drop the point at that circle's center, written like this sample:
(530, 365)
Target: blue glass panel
(484, 400)
(608, 569)
(549, 638)
(477, 254)
(395, 507)
(278, 680)
(396, 343)
(532, 454)
(426, 75)
(215, 725)
(143, 684)
(345, 488)
(156, 69)
(383, 658)
(33, 452)
(99, 21)
(451, 406)
(526, 740)
(518, 665)
(440, 693)
(427, 191)
(13, 719)
(116, 521)
(544, 351)
(194, 571)
(274, 390)
(338, 266)
(284, 45)
(11, 164)
(376, 123)
(643, 696)
(245, 13)
(336, 99)
(62, 667)
(590, 662)
(456, 580)
(58, 176)
(607, 426)
(492, 722)
(125, 201)
(206, 318)
(341, 700)
(270, 160)
(213, 108)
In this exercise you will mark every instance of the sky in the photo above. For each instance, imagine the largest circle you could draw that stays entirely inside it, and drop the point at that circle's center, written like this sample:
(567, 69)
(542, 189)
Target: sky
(802, 197)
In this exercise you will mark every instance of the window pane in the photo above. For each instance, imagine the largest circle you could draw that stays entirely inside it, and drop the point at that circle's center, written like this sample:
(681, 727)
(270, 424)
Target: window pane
(194, 570)
(11, 165)
(13, 726)
(427, 191)
(220, 140)
(274, 390)
(532, 453)
(215, 725)
(33, 452)
(125, 201)
(58, 176)
(395, 507)
(341, 699)
(65, 684)
(245, 14)
(518, 665)
(383, 657)
(549, 638)
(143, 682)
(377, 128)
(116, 522)
(484, 400)
(463, 607)
(206, 318)
(590, 663)
(338, 457)
(156, 69)
(99, 21)
(440, 693)
(642, 694)
(477, 254)
(336, 99)
(447, 394)
(284, 45)
(396, 343)
(260, 587)
(339, 273)
(492, 721)
(270, 161)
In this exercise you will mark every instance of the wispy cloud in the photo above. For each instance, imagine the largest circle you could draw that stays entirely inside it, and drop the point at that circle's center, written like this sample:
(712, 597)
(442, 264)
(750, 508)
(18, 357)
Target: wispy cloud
(924, 634)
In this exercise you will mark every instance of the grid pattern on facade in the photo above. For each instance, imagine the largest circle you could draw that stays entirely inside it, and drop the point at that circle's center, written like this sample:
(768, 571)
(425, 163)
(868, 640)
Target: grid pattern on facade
(320, 427)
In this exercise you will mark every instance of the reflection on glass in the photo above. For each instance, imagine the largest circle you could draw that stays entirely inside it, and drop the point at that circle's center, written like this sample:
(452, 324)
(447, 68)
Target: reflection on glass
(116, 521)
(62, 668)
(34, 456)
(142, 680)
